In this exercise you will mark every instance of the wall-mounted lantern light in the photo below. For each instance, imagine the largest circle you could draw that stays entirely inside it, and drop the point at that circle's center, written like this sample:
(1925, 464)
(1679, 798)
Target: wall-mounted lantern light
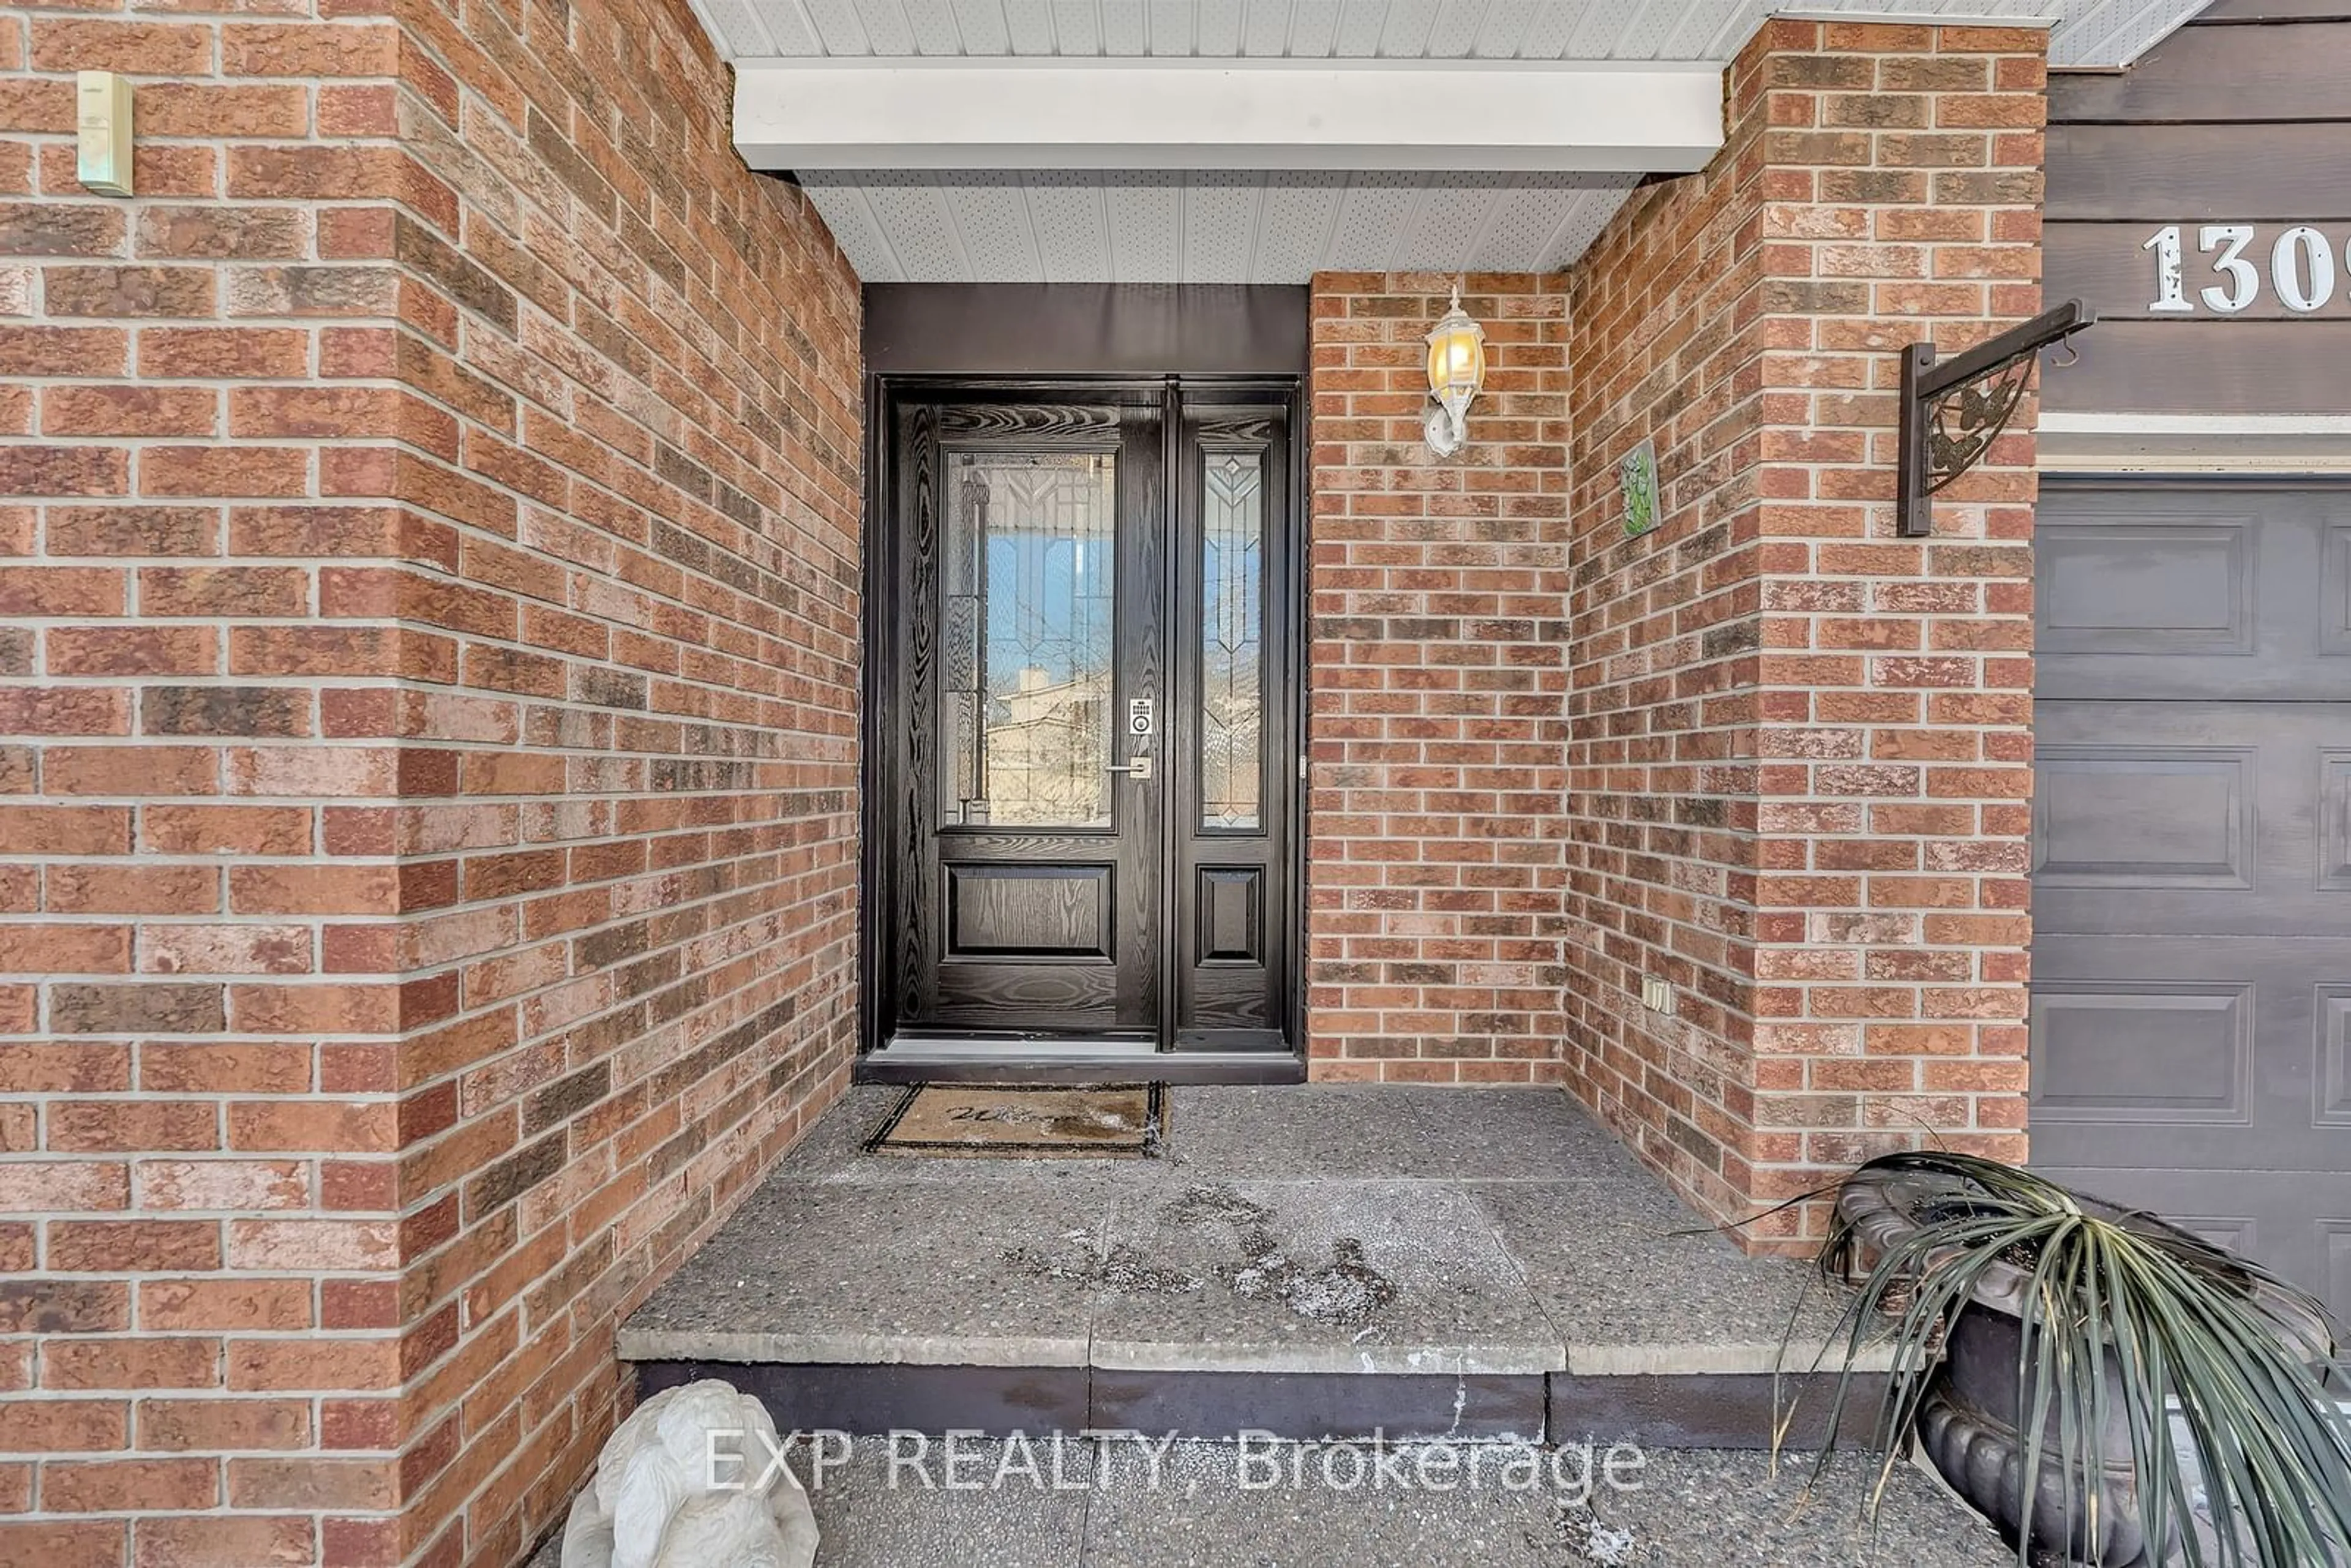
(1456, 369)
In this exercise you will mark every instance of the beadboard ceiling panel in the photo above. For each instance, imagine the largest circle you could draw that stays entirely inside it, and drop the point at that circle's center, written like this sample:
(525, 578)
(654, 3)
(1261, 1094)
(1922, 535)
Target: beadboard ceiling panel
(2088, 33)
(1157, 227)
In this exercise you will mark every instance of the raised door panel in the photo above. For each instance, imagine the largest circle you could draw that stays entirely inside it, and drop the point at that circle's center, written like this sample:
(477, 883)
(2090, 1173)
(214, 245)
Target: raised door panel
(1231, 914)
(2334, 808)
(2169, 593)
(2131, 817)
(2220, 1053)
(2334, 591)
(2116, 587)
(2331, 1048)
(1052, 913)
(2191, 818)
(2141, 1051)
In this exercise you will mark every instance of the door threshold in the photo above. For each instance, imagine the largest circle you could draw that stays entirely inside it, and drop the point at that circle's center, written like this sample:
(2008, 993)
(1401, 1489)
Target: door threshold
(919, 1059)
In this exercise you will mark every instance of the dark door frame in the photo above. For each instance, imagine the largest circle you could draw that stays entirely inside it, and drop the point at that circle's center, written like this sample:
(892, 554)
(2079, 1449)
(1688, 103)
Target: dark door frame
(994, 1062)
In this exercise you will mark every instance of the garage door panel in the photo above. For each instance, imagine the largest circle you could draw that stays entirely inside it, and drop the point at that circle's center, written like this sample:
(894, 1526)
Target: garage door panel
(2130, 817)
(2334, 820)
(2192, 819)
(2176, 592)
(2231, 1052)
(2153, 587)
(2139, 1050)
(2298, 1225)
(2187, 1198)
(2331, 1029)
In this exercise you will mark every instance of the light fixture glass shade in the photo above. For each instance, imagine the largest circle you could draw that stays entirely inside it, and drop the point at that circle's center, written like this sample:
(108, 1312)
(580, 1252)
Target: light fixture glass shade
(1456, 369)
(1457, 354)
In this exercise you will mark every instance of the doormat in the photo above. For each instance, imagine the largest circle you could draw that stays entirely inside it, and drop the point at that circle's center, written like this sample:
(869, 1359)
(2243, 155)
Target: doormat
(1032, 1120)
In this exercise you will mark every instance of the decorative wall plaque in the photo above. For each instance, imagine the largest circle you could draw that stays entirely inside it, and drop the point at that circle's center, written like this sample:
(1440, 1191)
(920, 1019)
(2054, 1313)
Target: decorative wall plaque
(1636, 481)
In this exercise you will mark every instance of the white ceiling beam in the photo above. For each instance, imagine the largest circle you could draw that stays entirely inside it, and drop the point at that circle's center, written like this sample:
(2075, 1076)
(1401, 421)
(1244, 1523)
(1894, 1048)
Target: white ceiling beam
(1354, 116)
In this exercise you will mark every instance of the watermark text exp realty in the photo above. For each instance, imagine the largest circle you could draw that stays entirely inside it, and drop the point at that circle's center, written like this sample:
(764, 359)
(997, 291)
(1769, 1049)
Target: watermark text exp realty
(1093, 1459)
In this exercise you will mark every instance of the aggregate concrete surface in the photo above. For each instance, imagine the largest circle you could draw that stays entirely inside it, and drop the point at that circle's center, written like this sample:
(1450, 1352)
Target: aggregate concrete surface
(1199, 1505)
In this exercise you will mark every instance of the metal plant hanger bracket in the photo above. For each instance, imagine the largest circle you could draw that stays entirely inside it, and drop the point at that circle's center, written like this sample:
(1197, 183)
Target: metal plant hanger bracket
(1953, 411)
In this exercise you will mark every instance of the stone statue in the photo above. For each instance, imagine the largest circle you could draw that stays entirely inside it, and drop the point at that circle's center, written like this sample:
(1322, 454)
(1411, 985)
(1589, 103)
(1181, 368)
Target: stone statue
(658, 1500)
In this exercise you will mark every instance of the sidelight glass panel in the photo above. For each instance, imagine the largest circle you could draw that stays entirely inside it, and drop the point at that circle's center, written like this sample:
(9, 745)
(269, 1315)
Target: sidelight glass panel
(1028, 583)
(1232, 644)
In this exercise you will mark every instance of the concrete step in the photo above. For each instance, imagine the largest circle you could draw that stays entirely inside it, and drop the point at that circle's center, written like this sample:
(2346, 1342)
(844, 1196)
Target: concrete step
(1308, 1262)
(1199, 1505)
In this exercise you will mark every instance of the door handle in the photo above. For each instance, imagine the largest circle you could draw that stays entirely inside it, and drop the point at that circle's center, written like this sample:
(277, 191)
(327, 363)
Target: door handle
(1140, 767)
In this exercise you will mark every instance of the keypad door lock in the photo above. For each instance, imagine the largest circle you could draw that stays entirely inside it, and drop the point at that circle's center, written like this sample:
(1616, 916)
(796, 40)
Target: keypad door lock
(1139, 720)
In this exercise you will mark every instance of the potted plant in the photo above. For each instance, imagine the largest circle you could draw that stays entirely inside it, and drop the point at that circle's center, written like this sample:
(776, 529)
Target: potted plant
(2057, 1357)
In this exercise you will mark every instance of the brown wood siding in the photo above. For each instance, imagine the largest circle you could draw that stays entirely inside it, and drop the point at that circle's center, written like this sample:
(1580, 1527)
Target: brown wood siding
(2244, 117)
(2274, 10)
(2206, 367)
(2103, 264)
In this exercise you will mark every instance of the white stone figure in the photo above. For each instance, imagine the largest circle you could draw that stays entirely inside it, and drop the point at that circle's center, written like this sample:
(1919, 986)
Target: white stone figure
(658, 1500)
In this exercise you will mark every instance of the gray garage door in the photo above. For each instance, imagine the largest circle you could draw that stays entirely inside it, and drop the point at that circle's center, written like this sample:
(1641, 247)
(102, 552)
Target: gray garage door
(2191, 958)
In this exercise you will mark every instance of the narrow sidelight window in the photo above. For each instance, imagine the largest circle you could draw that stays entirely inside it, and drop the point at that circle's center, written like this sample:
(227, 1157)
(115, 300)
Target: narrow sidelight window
(1232, 643)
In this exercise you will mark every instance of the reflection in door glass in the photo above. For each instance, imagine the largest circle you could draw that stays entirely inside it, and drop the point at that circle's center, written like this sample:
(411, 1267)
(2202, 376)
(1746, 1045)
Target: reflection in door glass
(1232, 643)
(1026, 602)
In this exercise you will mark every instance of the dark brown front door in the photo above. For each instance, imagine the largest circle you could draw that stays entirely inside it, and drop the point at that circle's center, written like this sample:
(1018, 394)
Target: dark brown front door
(1084, 774)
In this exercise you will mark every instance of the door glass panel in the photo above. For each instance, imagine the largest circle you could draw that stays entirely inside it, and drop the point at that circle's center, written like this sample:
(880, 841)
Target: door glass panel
(1232, 644)
(1027, 599)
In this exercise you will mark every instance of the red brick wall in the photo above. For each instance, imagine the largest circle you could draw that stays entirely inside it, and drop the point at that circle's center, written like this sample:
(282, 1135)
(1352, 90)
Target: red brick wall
(1800, 752)
(427, 757)
(1438, 683)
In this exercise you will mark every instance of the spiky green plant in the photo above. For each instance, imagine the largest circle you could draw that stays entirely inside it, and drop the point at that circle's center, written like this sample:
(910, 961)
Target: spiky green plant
(2241, 1357)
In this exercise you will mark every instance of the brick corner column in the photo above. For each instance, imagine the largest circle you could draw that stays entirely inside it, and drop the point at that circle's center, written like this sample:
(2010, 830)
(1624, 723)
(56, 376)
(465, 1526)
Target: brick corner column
(1804, 764)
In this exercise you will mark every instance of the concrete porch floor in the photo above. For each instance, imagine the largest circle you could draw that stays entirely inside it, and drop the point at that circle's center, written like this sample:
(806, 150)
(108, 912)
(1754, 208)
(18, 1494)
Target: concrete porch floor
(1313, 1261)
(1449, 1263)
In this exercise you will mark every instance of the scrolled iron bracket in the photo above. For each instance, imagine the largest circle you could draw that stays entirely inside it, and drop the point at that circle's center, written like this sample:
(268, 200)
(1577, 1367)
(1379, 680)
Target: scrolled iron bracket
(1953, 410)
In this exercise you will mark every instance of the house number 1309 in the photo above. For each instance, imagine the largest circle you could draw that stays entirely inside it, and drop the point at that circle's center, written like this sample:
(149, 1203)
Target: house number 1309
(2301, 269)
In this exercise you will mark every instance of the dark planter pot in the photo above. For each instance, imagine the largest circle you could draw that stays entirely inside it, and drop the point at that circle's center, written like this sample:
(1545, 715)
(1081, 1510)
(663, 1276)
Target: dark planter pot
(1973, 1429)
(1971, 1423)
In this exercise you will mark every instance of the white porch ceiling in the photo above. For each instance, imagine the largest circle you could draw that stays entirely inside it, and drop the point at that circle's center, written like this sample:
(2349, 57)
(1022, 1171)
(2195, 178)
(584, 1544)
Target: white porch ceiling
(1163, 226)
(1278, 225)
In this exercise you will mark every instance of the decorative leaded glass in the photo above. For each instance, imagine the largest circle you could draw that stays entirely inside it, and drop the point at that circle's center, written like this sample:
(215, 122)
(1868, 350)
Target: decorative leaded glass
(1026, 653)
(1232, 644)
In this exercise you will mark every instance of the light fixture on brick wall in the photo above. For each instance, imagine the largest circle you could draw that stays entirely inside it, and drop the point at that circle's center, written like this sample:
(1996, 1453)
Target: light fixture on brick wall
(1456, 369)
